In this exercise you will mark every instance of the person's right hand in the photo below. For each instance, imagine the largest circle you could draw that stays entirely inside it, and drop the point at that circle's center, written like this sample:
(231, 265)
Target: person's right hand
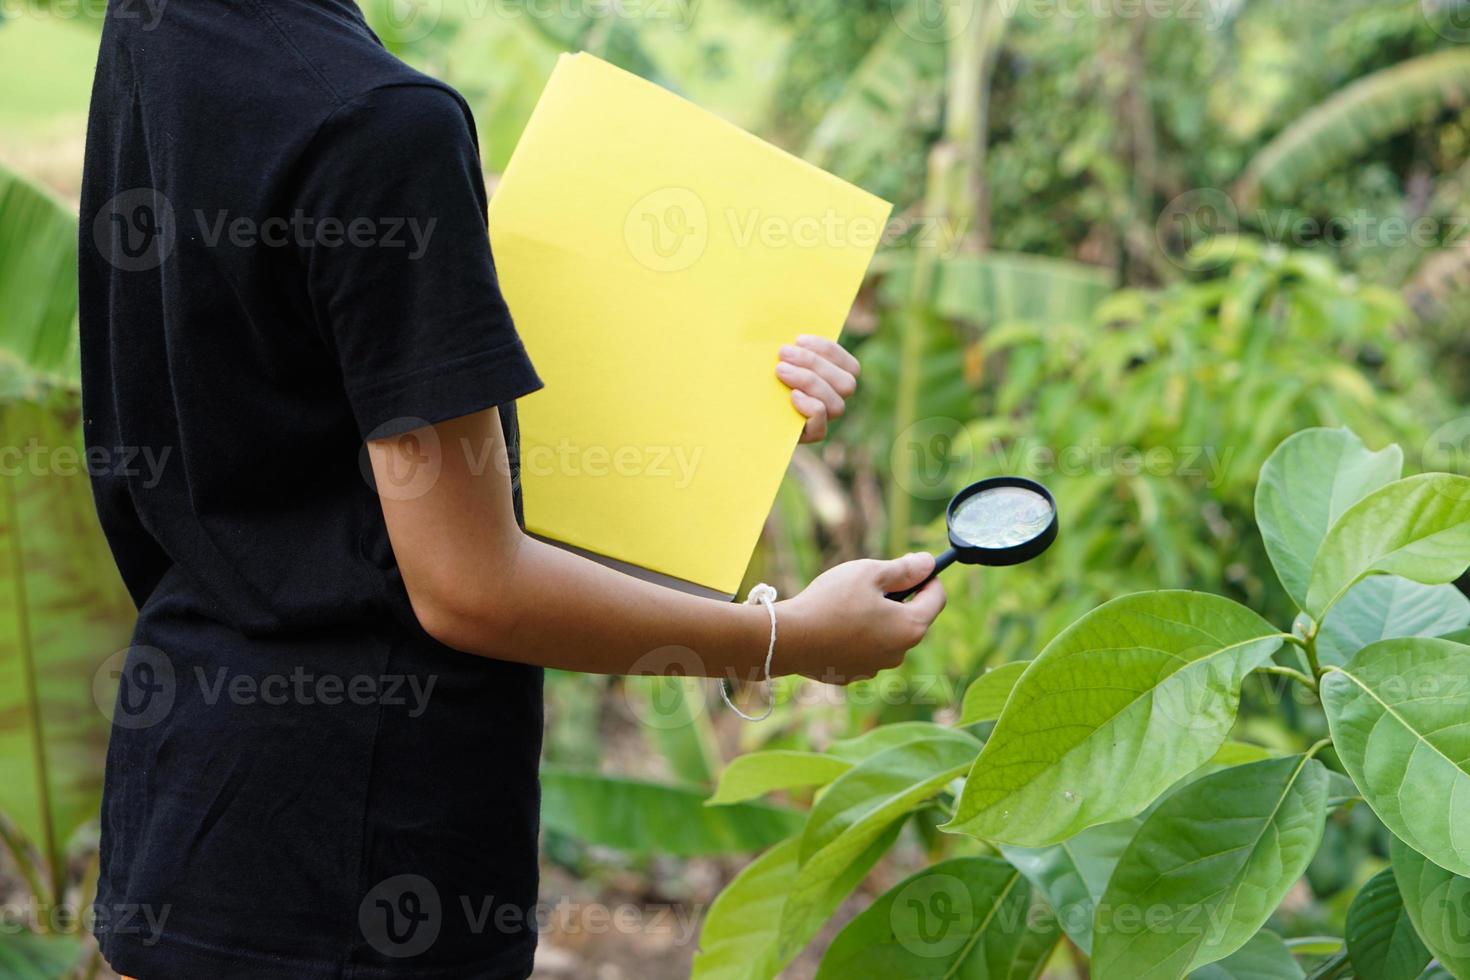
(842, 628)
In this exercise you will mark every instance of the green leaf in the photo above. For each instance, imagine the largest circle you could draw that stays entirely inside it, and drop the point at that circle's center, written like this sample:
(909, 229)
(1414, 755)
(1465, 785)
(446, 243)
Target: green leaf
(1305, 485)
(1039, 942)
(759, 773)
(1264, 957)
(1074, 874)
(651, 818)
(1438, 903)
(739, 936)
(986, 697)
(966, 917)
(676, 724)
(1381, 940)
(859, 806)
(1234, 753)
(38, 288)
(1398, 714)
(1341, 790)
(1417, 528)
(1384, 607)
(1357, 118)
(27, 956)
(1208, 867)
(1315, 945)
(63, 613)
(883, 738)
(1129, 699)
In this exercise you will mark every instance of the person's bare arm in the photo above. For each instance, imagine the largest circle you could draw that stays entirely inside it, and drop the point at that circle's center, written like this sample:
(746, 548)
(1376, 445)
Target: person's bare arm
(479, 584)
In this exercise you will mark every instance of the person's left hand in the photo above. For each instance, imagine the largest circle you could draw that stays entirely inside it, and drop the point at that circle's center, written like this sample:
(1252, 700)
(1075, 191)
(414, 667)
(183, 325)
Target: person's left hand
(822, 377)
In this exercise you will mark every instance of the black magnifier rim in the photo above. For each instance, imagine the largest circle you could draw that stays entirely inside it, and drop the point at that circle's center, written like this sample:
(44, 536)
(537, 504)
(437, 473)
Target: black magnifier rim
(971, 554)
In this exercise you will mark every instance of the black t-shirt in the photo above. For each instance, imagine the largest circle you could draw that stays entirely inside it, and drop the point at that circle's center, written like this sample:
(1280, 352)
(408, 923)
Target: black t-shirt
(283, 253)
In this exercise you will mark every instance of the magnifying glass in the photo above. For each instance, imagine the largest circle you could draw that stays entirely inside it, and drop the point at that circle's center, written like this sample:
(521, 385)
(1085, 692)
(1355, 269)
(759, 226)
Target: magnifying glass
(1005, 520)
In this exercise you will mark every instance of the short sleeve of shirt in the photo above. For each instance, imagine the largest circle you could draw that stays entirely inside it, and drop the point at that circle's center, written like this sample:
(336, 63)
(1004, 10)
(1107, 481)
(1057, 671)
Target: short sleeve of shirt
(392, 209)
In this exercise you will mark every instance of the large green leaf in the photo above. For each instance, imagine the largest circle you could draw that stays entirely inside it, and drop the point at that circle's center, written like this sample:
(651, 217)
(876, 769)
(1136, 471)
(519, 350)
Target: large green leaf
(1417, 528)
(985, 698)
(966, 917)
(63, 612)
(38, 273)
(1381, 940)
(1305, 485)
(1265, 957)
(1358, 118)
(1208, 867)
(1438, 903)
(1073, 875)
(1400, 719)
(651, 818)
(859, 806)
(759, 773)
(1382, 607)
(1132, 697)
(1001, 288)
(739, 936)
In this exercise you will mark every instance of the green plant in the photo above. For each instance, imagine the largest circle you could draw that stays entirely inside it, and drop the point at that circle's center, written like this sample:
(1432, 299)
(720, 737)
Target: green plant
(1114, 800)
(63, 609)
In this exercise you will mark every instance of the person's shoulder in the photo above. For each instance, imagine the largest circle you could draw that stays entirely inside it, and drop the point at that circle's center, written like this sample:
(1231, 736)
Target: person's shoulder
(361, 79)
(411, 114)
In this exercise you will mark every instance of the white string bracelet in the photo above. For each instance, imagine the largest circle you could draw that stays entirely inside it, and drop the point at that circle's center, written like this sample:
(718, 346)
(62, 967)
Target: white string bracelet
(761, 595)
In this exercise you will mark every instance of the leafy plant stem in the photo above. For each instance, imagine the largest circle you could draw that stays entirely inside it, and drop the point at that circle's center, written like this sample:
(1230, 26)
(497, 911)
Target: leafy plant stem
(1295, 675)
(1318, 747)
(1312, 661)
(1338, 965)
(27, 661)
(25, 861)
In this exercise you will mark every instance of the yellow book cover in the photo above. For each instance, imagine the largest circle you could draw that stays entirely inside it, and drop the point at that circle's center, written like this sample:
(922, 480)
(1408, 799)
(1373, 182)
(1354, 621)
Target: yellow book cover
(655, 257)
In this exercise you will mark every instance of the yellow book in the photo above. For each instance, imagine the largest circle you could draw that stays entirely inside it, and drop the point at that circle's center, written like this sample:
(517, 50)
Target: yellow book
(655, 257)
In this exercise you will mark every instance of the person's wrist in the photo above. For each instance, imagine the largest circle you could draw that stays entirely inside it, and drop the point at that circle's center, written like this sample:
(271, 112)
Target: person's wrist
(795, 638)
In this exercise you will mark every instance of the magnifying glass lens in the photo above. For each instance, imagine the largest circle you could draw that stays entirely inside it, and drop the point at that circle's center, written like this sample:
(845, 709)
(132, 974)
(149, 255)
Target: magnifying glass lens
(1001, 517)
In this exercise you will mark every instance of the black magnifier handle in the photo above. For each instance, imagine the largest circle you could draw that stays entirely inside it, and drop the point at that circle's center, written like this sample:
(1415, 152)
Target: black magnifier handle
(940, 564)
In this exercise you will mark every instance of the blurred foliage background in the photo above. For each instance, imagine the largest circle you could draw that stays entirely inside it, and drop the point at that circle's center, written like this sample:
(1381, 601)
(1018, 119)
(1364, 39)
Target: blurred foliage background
(1136, 243)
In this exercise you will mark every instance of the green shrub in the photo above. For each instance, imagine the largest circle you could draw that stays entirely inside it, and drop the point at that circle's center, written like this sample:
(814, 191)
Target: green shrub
(1109, 804)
